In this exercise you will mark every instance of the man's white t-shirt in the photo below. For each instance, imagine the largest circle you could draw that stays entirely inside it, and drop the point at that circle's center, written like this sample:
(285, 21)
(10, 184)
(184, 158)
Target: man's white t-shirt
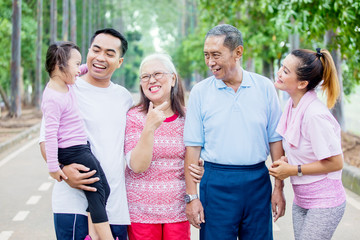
(104, 113)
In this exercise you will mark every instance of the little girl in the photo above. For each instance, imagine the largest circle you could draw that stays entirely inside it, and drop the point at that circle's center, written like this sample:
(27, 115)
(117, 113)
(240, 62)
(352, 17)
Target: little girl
(66, 139)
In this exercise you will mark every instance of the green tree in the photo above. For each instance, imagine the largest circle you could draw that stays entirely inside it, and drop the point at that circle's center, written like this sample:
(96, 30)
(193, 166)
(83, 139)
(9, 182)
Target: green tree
(38, 71)
(15, 107)
(5, 50)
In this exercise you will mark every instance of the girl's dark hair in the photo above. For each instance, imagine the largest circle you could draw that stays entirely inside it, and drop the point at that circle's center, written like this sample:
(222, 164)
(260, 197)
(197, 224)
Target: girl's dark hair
(177, 92)
(315, 67)
(58, 54)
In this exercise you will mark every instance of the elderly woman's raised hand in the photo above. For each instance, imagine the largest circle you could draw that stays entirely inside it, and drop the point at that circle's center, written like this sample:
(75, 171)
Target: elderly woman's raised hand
(155, 116)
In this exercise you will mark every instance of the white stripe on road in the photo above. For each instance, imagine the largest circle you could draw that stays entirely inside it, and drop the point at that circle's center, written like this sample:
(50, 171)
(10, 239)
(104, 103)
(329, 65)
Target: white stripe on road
(353, 202)
(20, 216)
(5, 235)
(33, 200)
(14, 154)
(275, 227)
(45, 186)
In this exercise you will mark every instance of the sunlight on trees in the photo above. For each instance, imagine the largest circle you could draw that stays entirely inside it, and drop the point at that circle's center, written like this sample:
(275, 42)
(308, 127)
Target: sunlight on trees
(271, 28)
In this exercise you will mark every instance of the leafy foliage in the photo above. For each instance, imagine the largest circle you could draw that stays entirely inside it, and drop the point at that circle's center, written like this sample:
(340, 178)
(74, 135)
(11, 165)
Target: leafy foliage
(28, 40)
(266, 26)
(313, 18)
(179, 27)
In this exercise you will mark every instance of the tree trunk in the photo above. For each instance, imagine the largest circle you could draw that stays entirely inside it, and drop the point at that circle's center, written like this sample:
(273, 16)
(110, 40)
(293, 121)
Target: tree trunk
(37, 93)
(183, 20)
(121, 28)
(65, 23)
(84, 45)
(99, 15)
(15, 109)
(5, 98)
(338, 110)
(53, 21)
(250, 65)
(266, 68)
(73, 21)
(112, 14)
(294, 39)
(120, 21)
(90, 30)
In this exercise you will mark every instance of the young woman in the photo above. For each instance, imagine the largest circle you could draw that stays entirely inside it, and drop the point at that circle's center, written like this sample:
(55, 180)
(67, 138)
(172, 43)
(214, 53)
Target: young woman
(66, 139)
(312, 143)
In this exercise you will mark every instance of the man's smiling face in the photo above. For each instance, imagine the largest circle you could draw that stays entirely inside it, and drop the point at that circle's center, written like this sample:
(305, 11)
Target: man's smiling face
(104, 56)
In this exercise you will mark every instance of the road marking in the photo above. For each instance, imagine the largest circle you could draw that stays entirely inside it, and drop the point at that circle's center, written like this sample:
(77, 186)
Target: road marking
(276, 227)
(5, 235)
(14, 154)
(353, 202)
(33, 200)
(20, 216)
(45, 186)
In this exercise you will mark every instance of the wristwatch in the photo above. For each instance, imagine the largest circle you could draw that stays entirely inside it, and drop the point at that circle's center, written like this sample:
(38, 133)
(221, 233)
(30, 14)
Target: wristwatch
(189, 198)
(299, 171)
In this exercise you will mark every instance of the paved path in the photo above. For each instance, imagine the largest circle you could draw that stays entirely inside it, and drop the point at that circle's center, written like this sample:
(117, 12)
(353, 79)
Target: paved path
(25, 201)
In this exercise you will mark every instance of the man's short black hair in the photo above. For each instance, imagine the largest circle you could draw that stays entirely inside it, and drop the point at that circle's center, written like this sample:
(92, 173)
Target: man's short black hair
(233, 37)
(113, 32)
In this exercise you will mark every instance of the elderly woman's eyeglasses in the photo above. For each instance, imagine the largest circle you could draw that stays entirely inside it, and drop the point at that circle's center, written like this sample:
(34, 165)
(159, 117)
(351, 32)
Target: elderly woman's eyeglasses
(156, 75)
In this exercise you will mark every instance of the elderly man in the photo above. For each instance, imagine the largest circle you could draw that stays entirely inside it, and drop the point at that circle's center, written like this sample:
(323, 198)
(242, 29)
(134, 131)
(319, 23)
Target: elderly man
(230, 122)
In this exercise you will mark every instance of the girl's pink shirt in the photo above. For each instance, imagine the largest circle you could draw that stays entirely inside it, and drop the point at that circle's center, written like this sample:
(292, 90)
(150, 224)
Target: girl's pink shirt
(63, 125)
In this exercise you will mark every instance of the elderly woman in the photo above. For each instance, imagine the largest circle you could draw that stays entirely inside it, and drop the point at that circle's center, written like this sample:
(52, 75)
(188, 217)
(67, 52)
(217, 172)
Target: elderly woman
(155, 154)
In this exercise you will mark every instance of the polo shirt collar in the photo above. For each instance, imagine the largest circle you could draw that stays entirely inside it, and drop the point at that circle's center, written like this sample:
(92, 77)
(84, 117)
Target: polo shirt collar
(246, 83)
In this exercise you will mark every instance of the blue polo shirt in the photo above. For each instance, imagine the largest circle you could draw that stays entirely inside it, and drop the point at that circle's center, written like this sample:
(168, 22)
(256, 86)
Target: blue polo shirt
(233, 128)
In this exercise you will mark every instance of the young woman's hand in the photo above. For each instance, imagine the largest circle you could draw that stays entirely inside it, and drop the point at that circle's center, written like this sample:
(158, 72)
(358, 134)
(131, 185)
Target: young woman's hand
(281, 169)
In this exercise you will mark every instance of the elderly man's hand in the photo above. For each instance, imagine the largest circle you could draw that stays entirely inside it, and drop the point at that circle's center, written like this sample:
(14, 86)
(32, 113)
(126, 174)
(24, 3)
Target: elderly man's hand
(195, 213)
(278, 202)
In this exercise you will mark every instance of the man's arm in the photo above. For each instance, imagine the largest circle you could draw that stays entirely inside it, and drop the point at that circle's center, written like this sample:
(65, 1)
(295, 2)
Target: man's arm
(76, 179)
(194, 209)
(278, 201)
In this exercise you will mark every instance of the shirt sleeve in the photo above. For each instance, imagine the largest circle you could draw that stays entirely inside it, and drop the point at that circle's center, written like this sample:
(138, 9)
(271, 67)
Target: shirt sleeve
(194, 128)
(274, 115)
(132, 133)
(83, 69)
(324, 134)
(52, 115)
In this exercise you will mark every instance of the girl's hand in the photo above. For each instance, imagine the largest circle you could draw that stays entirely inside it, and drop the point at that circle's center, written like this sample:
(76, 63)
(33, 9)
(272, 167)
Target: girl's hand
(197, 171)
(58, 176)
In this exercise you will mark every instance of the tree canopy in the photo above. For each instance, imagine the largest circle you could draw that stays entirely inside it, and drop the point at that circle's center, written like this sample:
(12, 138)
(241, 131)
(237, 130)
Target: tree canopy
(178, 28)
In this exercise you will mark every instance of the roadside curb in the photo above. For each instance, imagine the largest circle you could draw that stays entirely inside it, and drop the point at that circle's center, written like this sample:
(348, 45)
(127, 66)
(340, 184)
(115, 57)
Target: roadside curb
(351, 178)
(18, 138)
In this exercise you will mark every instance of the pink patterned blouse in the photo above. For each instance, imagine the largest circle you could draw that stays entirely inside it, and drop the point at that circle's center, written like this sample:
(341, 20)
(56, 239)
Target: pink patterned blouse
(157, 195)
